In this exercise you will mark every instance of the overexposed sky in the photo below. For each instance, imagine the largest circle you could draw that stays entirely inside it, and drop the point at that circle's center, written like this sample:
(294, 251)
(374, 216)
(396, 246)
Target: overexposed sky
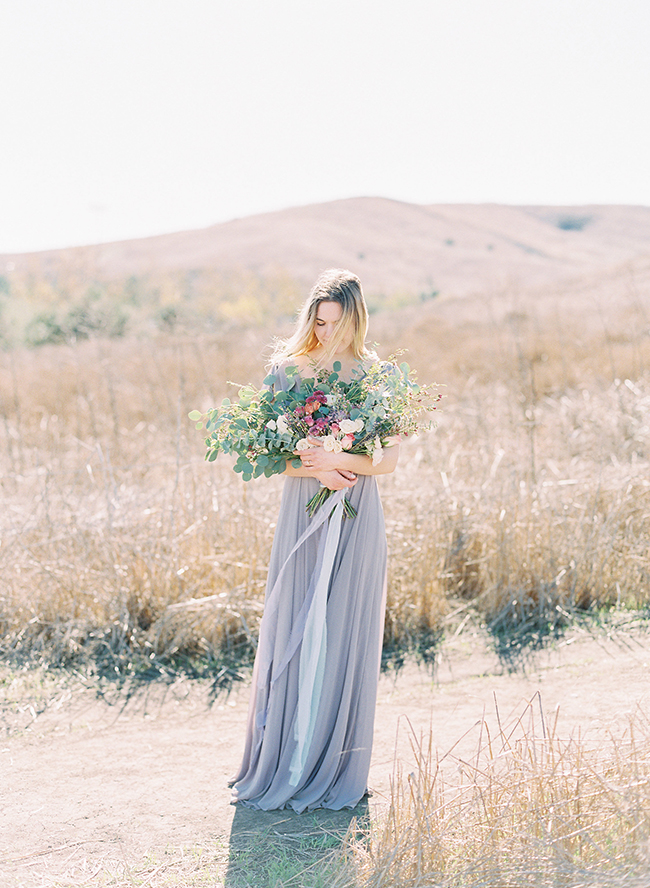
(126, 118)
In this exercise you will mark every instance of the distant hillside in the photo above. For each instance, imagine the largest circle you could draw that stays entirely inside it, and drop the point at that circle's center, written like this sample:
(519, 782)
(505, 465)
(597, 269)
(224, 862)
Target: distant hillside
(395, 247)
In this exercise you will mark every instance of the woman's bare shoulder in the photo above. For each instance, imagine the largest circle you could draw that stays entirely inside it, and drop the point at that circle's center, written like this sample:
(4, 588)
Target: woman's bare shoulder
(302, 362)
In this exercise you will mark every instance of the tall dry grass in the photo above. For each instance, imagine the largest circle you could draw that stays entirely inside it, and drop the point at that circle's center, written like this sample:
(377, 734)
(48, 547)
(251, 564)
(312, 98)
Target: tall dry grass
(122, 548)
(522, 806)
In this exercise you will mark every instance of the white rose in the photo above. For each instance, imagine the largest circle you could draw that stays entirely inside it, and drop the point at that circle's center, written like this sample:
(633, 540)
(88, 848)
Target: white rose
(349, 426)
(377, 452)
(303, 444)
(331, 444)
(330, 400)
(282, 425)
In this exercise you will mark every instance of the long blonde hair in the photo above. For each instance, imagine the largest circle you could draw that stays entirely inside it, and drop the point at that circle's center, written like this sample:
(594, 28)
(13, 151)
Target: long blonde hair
(334, 285)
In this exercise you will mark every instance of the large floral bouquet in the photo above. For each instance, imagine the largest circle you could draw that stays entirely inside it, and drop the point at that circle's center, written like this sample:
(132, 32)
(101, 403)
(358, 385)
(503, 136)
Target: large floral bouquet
(266, 427)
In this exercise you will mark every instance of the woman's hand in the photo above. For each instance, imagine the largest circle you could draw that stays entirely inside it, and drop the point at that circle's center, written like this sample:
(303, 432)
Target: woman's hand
(337, 480)
(322, 465)
(317, 459)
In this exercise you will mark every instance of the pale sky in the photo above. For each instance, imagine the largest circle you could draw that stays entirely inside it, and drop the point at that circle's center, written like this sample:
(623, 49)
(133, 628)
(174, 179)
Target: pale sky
(127, 118)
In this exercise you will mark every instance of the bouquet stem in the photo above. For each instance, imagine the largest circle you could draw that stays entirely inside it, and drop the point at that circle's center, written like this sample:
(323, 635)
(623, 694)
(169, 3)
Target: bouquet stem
(322, 496)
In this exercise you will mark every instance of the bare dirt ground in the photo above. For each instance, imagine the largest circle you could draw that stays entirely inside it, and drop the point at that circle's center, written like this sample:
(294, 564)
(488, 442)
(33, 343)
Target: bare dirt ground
(94, 788)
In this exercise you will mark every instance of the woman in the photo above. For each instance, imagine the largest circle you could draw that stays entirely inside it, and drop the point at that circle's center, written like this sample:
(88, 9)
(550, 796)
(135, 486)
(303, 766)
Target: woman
(311, 715)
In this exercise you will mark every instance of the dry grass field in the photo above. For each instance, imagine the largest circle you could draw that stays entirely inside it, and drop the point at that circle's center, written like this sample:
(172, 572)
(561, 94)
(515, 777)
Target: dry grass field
(527, 510)
(123, 551)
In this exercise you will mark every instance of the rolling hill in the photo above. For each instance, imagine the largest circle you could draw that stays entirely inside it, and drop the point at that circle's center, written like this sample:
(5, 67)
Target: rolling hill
(395, 247)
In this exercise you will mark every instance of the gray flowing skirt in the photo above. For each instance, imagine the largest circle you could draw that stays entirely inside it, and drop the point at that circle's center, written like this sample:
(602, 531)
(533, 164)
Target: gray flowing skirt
(337, 756)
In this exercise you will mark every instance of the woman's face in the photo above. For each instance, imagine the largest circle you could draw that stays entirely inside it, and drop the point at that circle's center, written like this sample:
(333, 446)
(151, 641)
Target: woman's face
(327, 319)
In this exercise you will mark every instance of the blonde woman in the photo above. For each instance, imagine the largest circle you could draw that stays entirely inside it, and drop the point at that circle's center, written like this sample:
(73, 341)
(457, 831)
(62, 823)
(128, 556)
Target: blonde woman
(311, 716)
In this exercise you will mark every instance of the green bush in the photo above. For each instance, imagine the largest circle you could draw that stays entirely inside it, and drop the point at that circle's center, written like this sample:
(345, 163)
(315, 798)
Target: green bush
(92, 317)
(573, 223)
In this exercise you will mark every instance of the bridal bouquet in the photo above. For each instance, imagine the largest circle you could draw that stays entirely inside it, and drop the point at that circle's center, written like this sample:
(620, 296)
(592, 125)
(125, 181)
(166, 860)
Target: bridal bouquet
(266, 428)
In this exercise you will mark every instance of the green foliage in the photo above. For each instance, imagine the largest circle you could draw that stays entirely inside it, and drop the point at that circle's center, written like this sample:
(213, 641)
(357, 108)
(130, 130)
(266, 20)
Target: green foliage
(44, 329)
(168, 318)
(5, 337)
(94, 316)
(573, 223)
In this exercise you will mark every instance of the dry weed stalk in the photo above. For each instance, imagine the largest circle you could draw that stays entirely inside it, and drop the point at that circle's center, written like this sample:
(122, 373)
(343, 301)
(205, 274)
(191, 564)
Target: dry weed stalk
(528, 807)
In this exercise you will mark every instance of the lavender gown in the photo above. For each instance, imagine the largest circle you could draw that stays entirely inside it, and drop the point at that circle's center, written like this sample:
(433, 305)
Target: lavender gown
(314, 687)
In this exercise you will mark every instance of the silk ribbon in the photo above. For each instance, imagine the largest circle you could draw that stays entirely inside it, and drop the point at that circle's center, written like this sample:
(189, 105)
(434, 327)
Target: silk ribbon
(310, 628)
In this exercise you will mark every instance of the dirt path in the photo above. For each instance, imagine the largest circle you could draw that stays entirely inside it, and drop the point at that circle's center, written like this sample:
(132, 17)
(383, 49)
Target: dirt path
(92, 789)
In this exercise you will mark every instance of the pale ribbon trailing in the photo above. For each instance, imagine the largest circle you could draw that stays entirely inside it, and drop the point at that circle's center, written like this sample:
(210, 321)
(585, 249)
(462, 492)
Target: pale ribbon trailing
(313, 650)
(310, 628)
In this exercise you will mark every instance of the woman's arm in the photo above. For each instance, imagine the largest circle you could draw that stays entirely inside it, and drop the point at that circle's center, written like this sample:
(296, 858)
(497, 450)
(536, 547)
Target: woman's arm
(362, 465)
(334, 479)
(317, 459)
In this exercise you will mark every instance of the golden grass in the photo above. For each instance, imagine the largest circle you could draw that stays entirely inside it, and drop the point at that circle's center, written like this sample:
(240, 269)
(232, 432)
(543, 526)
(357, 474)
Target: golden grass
(525, 806)
(121, 547)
